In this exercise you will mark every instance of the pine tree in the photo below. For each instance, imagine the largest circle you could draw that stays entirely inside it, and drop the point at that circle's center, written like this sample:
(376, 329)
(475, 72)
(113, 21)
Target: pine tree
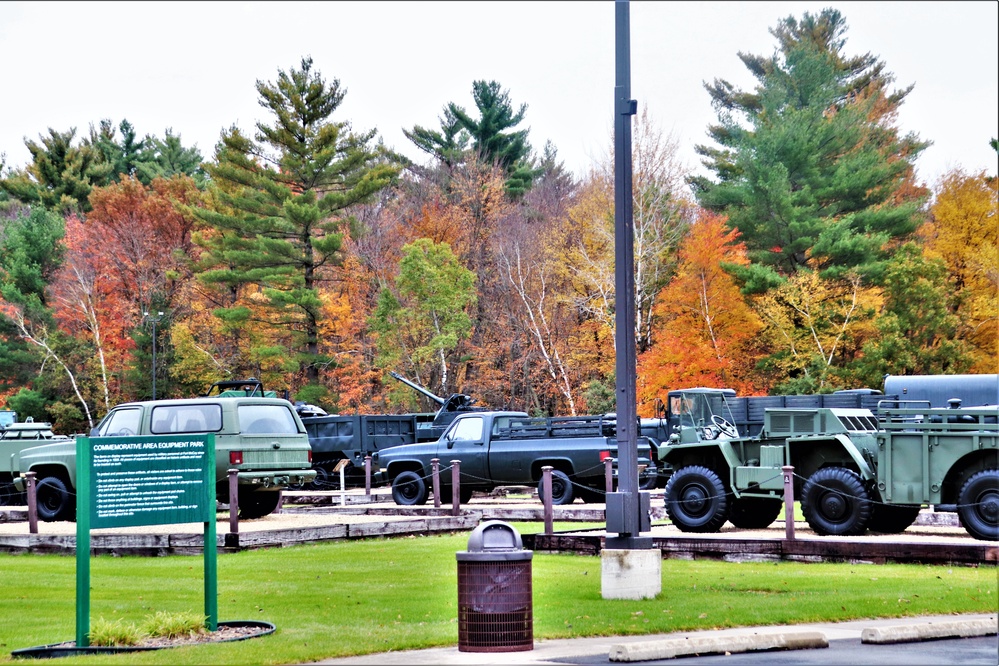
(285, 201)
(811, 169)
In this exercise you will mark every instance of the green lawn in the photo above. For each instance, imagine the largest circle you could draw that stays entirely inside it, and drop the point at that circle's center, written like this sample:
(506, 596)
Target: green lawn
(355, 597)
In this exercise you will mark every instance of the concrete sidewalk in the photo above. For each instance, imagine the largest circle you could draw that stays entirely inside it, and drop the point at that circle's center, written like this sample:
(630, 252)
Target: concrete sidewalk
(666, 646)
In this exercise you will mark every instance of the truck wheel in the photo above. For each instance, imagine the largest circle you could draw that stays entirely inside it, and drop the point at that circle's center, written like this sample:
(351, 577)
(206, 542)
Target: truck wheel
(257, 503)
(978, 505)
(408, 489)
(696, 500)
(464, 494)
(53, 500)
(322, 480)
(835, 502)
(892, 518)
(754, 513)
(562, 492)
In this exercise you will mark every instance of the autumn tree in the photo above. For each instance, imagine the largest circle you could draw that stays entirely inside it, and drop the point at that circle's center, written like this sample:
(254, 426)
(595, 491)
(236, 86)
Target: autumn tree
(661, 216)
(963, 231)
(706, 329)
(284, 202)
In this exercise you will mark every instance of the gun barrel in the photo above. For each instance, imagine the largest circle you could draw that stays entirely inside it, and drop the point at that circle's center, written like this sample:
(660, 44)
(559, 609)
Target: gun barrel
(436, 398)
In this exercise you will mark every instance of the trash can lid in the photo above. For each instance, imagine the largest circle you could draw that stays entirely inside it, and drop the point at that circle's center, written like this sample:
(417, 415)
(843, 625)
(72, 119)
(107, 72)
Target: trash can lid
(494, 540)
(494, 535)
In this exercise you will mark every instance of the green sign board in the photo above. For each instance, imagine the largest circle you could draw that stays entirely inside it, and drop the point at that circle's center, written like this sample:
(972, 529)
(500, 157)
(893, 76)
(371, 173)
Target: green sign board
(131, 481)
(151, 480)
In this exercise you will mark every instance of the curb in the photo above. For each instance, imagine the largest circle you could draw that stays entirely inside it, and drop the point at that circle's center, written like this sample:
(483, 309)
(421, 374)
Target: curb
(680, 647)
(929, 631)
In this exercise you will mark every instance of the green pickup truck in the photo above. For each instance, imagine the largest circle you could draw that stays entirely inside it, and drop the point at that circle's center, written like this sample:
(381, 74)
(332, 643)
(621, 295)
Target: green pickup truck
(262, 438)
(509, 449)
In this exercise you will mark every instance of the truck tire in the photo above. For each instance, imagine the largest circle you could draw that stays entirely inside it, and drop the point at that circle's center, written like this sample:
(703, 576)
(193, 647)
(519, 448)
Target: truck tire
(754, 513)
(835, 502)
(408, 489)
(978, 505)
(464, 494)
(892, 518)
(696, 500)
(562, 490)
(53, 499)
(257, 503)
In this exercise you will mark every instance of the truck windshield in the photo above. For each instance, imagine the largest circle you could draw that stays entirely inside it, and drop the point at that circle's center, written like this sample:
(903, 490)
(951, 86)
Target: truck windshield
(703, 411)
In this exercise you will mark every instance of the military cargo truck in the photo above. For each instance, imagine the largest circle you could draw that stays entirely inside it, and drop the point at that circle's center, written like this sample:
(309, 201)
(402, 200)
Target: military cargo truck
(509, 449)
(14, 438)
(262, 438)
(852, 471)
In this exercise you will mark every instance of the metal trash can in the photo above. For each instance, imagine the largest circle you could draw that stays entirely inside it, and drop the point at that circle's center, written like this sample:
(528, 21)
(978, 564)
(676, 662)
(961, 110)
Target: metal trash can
(495, 606)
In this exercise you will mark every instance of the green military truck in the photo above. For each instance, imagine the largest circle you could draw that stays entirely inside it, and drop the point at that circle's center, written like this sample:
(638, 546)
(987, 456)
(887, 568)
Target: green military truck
(510, 449)
(14, 437)
(262, 438)
(852, 471)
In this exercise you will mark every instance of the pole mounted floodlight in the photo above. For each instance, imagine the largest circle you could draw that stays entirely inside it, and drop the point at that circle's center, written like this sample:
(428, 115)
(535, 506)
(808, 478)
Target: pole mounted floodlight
(154, 320)
(625, 507)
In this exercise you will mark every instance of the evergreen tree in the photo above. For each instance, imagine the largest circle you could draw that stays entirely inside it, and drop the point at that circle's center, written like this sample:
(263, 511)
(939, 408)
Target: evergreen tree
(488, 134)
(122, 156)
(61, 175)
(284, 202)
(167, 157)
(811, 169)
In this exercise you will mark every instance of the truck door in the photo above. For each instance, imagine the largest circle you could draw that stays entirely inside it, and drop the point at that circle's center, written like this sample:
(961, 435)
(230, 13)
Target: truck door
(465, 441)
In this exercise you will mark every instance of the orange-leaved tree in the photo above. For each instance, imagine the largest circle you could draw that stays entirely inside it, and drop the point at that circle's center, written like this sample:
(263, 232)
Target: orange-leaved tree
(704, 328)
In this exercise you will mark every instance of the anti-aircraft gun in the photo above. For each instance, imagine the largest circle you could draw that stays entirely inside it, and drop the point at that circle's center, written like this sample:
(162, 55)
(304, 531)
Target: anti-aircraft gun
(450, 407)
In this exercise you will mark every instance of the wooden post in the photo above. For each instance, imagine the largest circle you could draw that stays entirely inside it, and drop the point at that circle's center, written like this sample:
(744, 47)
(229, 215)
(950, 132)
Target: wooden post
(233, 501)
(788, 502)
(435, 465)
(455, 490)
(546, 498)
(367, 476)
(609, 474)
(32, 503)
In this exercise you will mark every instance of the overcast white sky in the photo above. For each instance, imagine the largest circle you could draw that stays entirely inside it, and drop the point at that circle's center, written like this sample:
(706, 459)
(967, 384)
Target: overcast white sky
(192, 66)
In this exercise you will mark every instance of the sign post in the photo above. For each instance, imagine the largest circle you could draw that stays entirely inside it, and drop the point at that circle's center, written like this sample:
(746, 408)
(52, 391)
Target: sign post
(130, 481)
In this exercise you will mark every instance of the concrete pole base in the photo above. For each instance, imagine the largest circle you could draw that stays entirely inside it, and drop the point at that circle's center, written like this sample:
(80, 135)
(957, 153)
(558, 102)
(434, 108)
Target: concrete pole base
(631, 573)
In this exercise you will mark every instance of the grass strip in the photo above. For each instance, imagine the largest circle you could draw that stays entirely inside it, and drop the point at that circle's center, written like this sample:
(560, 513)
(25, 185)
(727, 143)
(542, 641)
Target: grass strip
(356, 597)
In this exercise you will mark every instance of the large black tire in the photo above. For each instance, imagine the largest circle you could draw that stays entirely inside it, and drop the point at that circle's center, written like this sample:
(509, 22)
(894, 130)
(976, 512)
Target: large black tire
(9, 496)
(257, 503)
(696, 500)
(978, 505)
(835, 502)
(562, 490)
(754, 513)
(464, 494)
(53, 499)
(892, 518)
(409, 489)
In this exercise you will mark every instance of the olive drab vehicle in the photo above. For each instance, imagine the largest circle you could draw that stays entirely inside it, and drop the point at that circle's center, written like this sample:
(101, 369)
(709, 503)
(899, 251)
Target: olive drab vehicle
(262, 438)
(853, 471)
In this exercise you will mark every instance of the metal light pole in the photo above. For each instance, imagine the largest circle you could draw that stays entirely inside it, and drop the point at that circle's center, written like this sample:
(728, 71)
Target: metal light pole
(155, 320)
(624, 508)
